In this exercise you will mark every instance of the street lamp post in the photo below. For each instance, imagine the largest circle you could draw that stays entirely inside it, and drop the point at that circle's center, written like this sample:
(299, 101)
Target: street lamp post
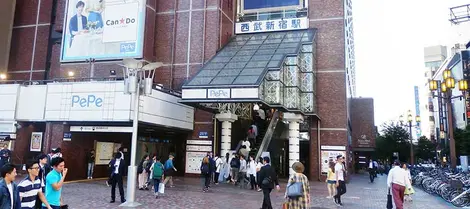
(447, 85)
(137, 75)
(410, 126)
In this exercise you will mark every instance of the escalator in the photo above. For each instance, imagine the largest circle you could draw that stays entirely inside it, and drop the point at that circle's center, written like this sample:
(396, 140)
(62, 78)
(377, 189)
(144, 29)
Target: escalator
(265, 136)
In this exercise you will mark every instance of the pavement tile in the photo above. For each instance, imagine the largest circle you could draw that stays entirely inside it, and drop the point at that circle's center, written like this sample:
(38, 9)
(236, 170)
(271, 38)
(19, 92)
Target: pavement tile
(188, 195)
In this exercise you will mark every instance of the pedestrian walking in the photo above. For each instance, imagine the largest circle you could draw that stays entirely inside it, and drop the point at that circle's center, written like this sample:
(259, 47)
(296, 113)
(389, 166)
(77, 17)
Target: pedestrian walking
(205, 173)
(219, 164)
(118, 167)
(5, 155)
(142, 171)
(157, 172)
(30, 188)
(267, 180)
(242, 172)
(212, 166)
(303, 201)
(398, 181)
(409, 191)
(259, 165)
(340, 184)
(91, 163)
(55, 182)
(169, 170)
(331, 180)
(9, 194)
(234, 168)
(372, 169)
(251, 172)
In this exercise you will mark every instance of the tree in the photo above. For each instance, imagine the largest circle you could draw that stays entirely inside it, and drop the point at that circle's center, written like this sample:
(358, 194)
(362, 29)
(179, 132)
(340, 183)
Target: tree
(394, 138)
(425, 150)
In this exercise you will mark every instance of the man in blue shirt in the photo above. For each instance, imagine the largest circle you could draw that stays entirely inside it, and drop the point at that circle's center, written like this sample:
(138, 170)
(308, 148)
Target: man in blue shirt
(169, 170)
(54, 182)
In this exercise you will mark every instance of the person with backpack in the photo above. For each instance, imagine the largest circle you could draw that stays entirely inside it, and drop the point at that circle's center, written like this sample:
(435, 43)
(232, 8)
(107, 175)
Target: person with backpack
(206, 173)
(157, 174)
(235, 168)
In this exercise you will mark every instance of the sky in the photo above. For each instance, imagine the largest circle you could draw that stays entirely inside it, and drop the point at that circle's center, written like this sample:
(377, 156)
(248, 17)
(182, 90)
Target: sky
(390, 36)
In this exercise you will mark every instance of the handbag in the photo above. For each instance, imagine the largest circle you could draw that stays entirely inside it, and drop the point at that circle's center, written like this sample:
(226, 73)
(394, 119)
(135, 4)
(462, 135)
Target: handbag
(267, 182)
(295, 190)
(389, 200)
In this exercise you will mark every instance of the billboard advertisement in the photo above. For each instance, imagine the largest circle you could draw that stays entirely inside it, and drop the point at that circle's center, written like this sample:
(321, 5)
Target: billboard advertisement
(103, 30)
(270, 5)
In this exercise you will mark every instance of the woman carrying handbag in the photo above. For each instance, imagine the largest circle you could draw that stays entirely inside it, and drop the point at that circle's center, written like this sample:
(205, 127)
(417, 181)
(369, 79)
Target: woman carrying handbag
(298, 189)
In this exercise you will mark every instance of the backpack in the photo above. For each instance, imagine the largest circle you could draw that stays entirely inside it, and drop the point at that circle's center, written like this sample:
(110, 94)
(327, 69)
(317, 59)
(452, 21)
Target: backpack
(205, 169)
(233, 163)
(157, 171)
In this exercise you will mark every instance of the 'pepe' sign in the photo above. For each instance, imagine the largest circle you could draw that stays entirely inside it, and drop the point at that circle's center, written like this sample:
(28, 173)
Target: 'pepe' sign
(86, 101)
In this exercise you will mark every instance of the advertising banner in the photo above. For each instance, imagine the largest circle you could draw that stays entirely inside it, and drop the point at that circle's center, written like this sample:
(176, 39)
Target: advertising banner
(103, 30)
(327, 156)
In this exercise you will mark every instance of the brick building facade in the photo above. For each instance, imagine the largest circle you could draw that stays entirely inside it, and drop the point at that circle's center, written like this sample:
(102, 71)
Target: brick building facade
(172, 27)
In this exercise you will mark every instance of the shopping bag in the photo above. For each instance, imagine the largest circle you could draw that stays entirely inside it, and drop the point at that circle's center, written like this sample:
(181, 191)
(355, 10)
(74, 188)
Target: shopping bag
(389, 200)
(285, 205)
(409, 191)
(161, 188)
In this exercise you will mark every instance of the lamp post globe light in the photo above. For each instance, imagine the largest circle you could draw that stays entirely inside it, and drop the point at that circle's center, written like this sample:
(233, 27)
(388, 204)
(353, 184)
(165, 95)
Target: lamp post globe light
(138, 74)
(410, 125)
(447, 84)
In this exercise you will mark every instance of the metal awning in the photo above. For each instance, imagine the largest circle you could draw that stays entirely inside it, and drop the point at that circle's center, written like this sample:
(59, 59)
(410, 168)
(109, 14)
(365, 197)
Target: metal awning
(237, 72)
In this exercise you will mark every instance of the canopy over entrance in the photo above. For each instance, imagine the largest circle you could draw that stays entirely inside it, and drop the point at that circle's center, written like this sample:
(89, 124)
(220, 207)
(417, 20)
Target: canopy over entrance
(277, 69)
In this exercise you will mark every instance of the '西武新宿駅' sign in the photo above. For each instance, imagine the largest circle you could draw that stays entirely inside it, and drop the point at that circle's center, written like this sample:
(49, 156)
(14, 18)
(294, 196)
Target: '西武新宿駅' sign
(103, 30)
(271, 25)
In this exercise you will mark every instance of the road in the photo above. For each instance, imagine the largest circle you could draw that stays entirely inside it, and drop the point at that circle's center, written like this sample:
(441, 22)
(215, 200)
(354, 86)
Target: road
(187, 195)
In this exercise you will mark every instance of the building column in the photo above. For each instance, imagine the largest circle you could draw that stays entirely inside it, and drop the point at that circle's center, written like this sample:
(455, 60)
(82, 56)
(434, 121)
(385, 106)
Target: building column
(227, 120)
(294, 141)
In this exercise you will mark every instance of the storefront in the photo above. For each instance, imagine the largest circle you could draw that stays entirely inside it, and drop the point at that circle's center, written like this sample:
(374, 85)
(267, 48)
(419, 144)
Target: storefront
(81, 116)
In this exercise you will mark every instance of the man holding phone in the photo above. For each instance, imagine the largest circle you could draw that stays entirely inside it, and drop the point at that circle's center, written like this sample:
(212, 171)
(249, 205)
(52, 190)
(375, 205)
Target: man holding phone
(54, 182)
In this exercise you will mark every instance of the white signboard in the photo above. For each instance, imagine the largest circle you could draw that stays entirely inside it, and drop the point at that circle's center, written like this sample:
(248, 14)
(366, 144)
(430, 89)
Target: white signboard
(103, 30)
(105, 129)
(198, 148)
(327, 156)
(200, 142)
(193, 162)
(272, 25)
(333, 147)
(121, 22)
(218, 93)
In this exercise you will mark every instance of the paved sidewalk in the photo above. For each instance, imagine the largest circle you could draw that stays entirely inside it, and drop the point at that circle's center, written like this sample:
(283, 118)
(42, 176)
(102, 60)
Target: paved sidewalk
(187, 195)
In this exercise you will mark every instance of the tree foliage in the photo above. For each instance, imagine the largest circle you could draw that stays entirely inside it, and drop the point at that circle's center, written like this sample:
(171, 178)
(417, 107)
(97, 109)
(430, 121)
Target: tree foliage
(425, 149)
(394, 138)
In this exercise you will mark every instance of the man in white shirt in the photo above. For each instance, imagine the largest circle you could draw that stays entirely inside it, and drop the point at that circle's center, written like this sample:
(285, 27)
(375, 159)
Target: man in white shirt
(340, 184)
(398, 181)
(243, 169)
(372, 170)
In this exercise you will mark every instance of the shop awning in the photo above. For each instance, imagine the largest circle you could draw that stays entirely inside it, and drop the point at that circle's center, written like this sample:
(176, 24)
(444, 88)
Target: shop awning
(238, 72)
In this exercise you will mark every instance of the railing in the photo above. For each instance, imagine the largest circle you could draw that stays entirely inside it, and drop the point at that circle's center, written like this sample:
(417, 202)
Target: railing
(155, 86)
(269, 134)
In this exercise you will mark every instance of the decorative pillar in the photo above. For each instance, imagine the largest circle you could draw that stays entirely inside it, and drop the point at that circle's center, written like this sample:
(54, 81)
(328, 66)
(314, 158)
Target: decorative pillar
(294, 141)
(226, 142)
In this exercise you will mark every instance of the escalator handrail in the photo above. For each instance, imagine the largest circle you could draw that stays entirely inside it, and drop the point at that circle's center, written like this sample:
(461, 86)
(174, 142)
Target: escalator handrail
(269, 134)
